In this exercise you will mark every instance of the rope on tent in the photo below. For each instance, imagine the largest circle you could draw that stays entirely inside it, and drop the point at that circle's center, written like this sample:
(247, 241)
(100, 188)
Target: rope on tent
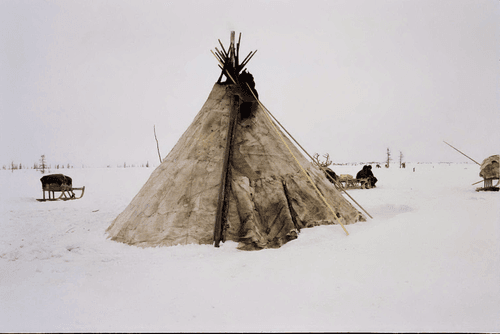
(340, 188)
(318, 165)
(303, 170)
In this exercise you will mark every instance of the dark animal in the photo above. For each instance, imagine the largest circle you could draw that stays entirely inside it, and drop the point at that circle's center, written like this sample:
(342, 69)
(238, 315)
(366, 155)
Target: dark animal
(332, 174)
(56, 180)
(366, 173)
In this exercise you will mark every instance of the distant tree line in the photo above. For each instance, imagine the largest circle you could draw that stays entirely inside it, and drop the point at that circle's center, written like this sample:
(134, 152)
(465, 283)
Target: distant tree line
(378, 164)
(133, 165)
(44, 167)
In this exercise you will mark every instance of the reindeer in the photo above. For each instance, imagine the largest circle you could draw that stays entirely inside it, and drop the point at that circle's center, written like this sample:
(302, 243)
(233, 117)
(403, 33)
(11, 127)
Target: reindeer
(330, 174)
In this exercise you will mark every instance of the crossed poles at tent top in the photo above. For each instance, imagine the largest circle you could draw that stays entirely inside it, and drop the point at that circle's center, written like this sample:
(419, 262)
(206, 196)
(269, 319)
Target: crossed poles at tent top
(229, 60)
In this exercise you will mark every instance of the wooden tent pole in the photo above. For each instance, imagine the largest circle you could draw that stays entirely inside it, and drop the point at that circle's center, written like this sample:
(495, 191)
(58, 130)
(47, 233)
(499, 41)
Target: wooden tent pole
(462, 153)
(222, 46)
(225, 185)
(238, 49)
(232, 51)
(224, 69)
(244, 63)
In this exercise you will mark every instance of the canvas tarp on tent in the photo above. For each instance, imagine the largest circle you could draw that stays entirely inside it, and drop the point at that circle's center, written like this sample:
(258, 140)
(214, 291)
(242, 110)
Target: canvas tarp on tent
(269, 201)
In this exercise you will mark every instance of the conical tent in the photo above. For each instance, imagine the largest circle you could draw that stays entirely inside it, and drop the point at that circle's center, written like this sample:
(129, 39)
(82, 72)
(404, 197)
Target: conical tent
(235, 168)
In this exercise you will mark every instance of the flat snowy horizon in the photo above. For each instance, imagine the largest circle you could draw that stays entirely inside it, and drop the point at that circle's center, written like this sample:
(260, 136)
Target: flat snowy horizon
(428, 261)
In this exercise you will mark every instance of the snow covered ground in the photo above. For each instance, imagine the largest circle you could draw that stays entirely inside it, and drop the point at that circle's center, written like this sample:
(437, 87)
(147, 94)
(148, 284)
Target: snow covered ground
(429, 260)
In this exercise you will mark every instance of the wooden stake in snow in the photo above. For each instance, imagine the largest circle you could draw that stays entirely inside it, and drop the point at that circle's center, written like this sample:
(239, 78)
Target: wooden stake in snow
(157, 146)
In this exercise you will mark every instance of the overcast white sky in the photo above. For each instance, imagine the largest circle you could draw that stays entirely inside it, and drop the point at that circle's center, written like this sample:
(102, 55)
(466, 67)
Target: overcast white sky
(83, 82)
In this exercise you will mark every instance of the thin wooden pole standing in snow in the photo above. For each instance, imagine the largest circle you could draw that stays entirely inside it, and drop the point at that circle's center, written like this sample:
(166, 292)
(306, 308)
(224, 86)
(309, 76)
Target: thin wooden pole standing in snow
(157, 146)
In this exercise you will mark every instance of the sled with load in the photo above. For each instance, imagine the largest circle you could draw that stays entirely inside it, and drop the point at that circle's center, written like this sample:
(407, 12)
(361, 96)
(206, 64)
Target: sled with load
(490, 172)
(59, 183)
(342, 181)
(347, 181)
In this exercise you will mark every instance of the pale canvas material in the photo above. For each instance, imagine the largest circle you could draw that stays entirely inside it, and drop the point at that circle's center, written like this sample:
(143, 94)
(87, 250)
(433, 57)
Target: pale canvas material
(270, 198)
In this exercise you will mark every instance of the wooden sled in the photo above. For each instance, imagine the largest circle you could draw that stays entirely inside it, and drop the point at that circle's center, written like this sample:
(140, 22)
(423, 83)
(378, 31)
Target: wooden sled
(488, 185)
(352, 183)
(67, 193)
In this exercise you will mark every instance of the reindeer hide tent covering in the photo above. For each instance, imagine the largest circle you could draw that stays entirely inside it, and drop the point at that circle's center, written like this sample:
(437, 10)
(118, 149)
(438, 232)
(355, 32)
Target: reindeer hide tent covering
(269, 201)
(232, 175)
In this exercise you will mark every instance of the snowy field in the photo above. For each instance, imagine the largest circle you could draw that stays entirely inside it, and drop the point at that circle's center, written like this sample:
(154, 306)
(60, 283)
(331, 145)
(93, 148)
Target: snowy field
(429, 260)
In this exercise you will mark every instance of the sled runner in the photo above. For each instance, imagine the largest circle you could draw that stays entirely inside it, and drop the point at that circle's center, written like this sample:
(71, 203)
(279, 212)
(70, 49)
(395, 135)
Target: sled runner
(67, 193)
(488, 185)
(59, 183)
